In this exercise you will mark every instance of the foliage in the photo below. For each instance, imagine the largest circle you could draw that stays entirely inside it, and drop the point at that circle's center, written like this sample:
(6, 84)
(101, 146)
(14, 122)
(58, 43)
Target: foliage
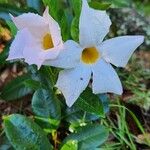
(52, 125)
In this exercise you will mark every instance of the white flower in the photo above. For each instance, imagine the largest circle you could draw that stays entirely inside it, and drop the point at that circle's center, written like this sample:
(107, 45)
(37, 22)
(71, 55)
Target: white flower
(92, 57)
(38, 39)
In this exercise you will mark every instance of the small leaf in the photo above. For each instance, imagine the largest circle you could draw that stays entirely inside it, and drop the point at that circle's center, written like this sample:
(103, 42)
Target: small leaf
(15, 89)
(89, 137)
(45, 104)
(70, 145)
(99, 5)
(75, 29)
(24, 134)
(90, 103)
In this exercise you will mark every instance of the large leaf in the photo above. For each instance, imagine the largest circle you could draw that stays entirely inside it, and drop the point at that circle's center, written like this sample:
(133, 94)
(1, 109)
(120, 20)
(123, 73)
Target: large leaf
(45, 104)
(75, 115)
(15, 89)
(24, 134)
(90, 102)
(89, 137)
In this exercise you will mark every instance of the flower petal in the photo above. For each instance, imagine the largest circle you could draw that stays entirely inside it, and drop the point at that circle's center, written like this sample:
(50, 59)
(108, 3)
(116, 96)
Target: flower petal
(31, 55)
(93, 25)
(54, 28)
(68, 57)
(36, 24)
(72, 83)
(22, 39)
(105, 79)
(118, 50)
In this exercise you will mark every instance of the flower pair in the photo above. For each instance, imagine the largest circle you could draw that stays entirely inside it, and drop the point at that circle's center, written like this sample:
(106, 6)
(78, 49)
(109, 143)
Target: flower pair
(39, 42)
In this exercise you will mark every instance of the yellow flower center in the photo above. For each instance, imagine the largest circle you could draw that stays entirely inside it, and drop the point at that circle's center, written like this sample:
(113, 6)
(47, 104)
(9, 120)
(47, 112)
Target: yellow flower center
(47, 42)
(90, 55)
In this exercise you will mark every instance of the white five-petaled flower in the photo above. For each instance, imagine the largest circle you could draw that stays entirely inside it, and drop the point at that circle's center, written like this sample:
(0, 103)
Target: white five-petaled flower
(38, 39)
(92, 57)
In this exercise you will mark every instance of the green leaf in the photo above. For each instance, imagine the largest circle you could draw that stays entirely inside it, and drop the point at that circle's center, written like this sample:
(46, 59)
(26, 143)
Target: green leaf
(24, 134)
(76, 6)
(90, 102)
(70, 145)
(33, 84)
(53, 7)
(89, 137)
(75, 29)
(49, 125)
(65, 24)
(99, 5)
(45, 104)
(12, 27)
(15, 89)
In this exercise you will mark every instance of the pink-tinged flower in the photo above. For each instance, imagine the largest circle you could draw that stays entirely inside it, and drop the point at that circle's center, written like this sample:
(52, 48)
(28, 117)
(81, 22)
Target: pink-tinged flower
(91, 58)
(38, 39)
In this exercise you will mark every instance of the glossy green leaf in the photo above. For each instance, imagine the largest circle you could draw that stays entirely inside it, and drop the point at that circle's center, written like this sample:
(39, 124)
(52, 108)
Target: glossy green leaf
(47, 124)
(45, 104)
(24, 134)
(89, 137)
(76, 115)
(15, 89)
(90, 102)
(70, 145)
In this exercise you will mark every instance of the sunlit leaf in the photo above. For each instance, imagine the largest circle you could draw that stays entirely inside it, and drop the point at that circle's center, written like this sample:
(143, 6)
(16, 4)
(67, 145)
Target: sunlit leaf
(89, 137)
